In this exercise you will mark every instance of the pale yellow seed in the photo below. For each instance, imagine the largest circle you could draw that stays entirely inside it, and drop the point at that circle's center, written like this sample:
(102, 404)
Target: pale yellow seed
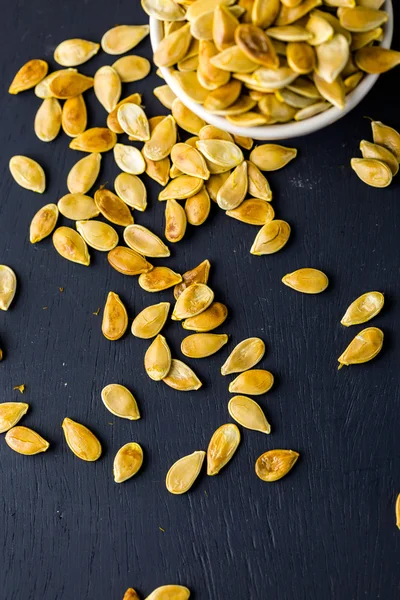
(115, 318)
(311, 111)
(133, 121)
(43, 223)
(198, 274)
(271, 238)
(180, 479)
(28, 173)
(271, 157)
(363, 309)
(214, 183)
(162, 140)
(167, 10)
(84, 173)
(258, 184)
(373, 172)
(77, 207)
(307, 281)
(132, 68)
(123, 38)
(360, 40)
(8, 286)
(320, 29)
(175, 221)
(275, 464)
(170, 592)
(192, 301)
(244, 356)
(96, 139)
(42, 89)
(157, 360)
(361, 18)
(332, 57)
(202, 345)
(98, 235)
(159, 279)
(363, 348)
(83, 443)
(28, 76)
(181, 187)
(253, 382)
(232, 193)
(129, 159)
(248, 414)
(113, 208)
(191, 86)
(173, 47)
(185, 118)
(369, 150)
(253, 212)
(181, 377)
(120, 401)
(386, 136)
(70, 245)
(128, 261)
(112, 119)
(333, 92)
(107, 87)
(210, 132)
(127, 463)
(145, 242)
(25, 441)
(189, 161)
(131, 190)
(11, 413)
(158, 170)
(197, 207)
(223, 153)
(223, 445)
(48, 120)
(208, 320)
(74, 52)
(165, 95)
(234, 60)
(150, 321)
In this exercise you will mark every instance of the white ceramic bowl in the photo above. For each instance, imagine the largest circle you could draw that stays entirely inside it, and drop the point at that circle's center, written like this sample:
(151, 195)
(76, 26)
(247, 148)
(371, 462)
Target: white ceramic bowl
(280, 131)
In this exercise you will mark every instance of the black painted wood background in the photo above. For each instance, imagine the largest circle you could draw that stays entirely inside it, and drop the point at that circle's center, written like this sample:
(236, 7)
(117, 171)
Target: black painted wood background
(325, 532)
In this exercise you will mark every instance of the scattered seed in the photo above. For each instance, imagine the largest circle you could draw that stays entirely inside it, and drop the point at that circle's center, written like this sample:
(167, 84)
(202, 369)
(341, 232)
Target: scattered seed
(253, 382)
(197, 207)
(131, 190)
(208, 320)
(97, 139)
(201, 345)
(127, 463)
(192, 301)
(43, 223)
(271, 238)
(253, 212)
(115, 318)
(132, 68)
(123, 38)
(84, 173)
(373, 172)
(159, 279)
(127, 261)
(98, 235)
(74, 116)
(180, 479)
(162, 140)
(133, 121)
(145, 242)
(11, 413)
(157, 360)
(107, 87)
(29, 75)
(112, 119)
(77, 207)
(74, 52)
(381, 153)
(275, 464)
(150, 321)
(248, 414)
(307, 281)
(48, 120)
(129, 159)
(363, 309)
(271, 157)
(68, 84)
(113, 208)
(120, 401)
(363, 348)
(25, 441)
(244, 356)
(28, 173)
(70, 245)
(386, 136)
(223, 445)
(83, 443)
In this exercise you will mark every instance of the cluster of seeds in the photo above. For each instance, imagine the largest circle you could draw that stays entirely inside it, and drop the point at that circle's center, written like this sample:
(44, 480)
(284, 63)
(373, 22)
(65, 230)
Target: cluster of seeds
(259, 62)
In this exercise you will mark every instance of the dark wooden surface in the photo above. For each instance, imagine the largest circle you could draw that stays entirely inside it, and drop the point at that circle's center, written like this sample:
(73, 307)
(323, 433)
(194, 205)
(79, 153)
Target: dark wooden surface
(327, 531)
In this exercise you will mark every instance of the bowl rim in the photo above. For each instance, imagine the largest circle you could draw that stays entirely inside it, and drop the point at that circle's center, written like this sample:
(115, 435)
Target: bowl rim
(283, 130)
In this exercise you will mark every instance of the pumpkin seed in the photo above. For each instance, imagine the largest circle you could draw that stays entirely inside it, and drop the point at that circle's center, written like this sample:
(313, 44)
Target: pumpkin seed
(201, 345)
(271, 157)
(112, 119)
(202, 27)
(307, 281)
(192, 301)
(43, 223)
(275, 110)
(42, 89)
(386, 136)
(159, 279)
(305, 88)
(162, 140)
(157, 360)
(360, 40)
(189, 161)
(197, 275)
(215, 182)
(248, 414)
(175, 221)
(70, 245)
(166, 10)
(158, 170)
(181, 377)
(351, 82)
(180, 479)
(333, 92)
(258, 184)
(170, 592)
(174, 172)
(132, 68)
(271, 238)
(185, 118)
(127, 463)
(369, 150)
(363, 309)
(112, 207)
(263, 13)
(131, 190)
(123, 38)
(29, 75)
(224, 25)
(11, 413)
(181, 188)
(397, 510)
(68, 84)
(165, 95)
(376, 4)
(375, 59)
(197, 208)
(234, 60)
(234, 190)
(84, 173)
(133, 121)
(311, 111)
(145, 242)
(129, 159)
(244, 356)
(127, 261)
(83, 443)
(208, 75)
(254, 382)
(98, 235)
(74, 52)
(244, 142)
(364, 347)
(332, 57)
(74, 116)
(209, 132)
(241, 106)
(150, 321)
(48, 120)
(77, 207)
(289, 33)
(28, 173)
(96, 139)
(8, 286)
(25, 441)
(173, 47)
(275, 464)
(115, 318)
(300, 57)
(320, 29)
(223, 153)
(200, 7)
(222, 98)
(361, 19)
(253, 212)
(120, 401)
(190, 63)
(154, 121)
(289, 14)
(371, 171)
(191, 86)
(208, 320)
(107, 87)
(223, 445)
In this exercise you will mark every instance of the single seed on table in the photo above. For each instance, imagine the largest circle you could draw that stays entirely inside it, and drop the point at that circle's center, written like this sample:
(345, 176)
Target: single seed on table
(48, 120)
(77, 207)
(74, 52)
(8, 286)
(145, 242)
(275, 464)
(113, 208)
(190, 161)
(120, 402)
(157, 360)
(271, 157)
(363, 309)
(68, 84)
(159, 279)
(115, 318)
(185, 118)
(129, 159)
(253, 211)
(122, 38)
(361, 18)
(42, 89)
(223, 445)
(271, 238)
(70, 245)
(158, 170)
(197, 275)
(244, 356)
(29, 75)
(127, 463)
(373, 172)
(258, 184)
(363, 348)
(107, 87)
(307, 281)
(43, 223)
(232, 193)
(130, 593)
(162, 139)
(208, 320)
(333, 92)
(112, 118)
(28, 173)
(98, 235)
(192, 301)
(181, 477)
(11, 413)
(263, 14)
(201, 345)
(81, 441)
(165, 95)
(223, 153)
(132, 68)
(332, 57)
(173, 47)
(170, 592)
(74, 116)
(181, 377)
(131, 190)
(128, 262)
(84, 173)
(175, 221)
(253, 382)
(133, 121)
(248, 414)
(369, 150)
(386, 136)
(150, 321)
(96, 139)
(25, 441)
(197, 207)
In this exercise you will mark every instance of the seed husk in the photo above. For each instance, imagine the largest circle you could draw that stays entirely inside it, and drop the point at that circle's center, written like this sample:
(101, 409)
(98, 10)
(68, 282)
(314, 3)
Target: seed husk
(386, 136)
(133, 121)
(48, 120)
(128, 262)
(332, 57)
(98, 235)
(223, 153)
(363, 309)
(129, 159)
(115, 318)
(223, 445)
(181, 377)
(253, 382)
(165, 95)
(96, 139)
(248, 414)
(232, 193)
(361, 18)
(29, 75)
(197, 275)
(28, 173)
(150, 321)
(374, 59)
(43, 223)
(271, 157)
(77, 207)
(173, 47)
(167, 10)
(319, 28)
(84, 173)
(132, 68)
(185, 118)
(112, 119)
(25, 441)
(180, 479)
(123, 38)
(145, 242)
(70, 245)
(381, 153)
(120, 401)
(363, 348)
(208, 320)
(333, 92)
(83, 443)
(189, 161)
(113, 208)
(74, 52)
(201, 345)
(11, 413)
(127, 463)
(244, 356)
(371, 171)
(311, 111)
(162, 140)
(158, 170)
(289, 14)
(157, 360)
(159, 279)
(175, 221)
(74, 116)
(107, 87)
(253, 211)
(68, 84)
(42, 89)
(197, 207)
(170, 592)
(307, 281)
(192, 301)
(275, 464)
(257, 46)
(131, 190)
(360, 40)
(8, 286)
(271, 238)
(224, 25)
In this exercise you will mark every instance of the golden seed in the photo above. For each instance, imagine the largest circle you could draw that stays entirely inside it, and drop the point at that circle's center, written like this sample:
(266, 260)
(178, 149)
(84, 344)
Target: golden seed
(201, 345)
(11, 413)
(363, 309)
(189, 161)
(113, 208)
(209, 132)
(162, 140)
(131, 190)
(127, 463)
(257, 46)
(123, 38)
(373, 172)
(25, 441)
(132, 68)
(232, 193)
(128, 262)
(129, 159)
(130, 593)
(154, 121)
(175, 221)
(386, 136)
(289, 33)
(8, 286)
(300, 57)
(263, 14)
(28, 173)
(271, 238)
(150, 321)
(48, 120)
(159, 279)
(167, 10)
(374, 59)
(381, 153)
(170, 592)
(68, 84)
(74, 52)
(83, 443)
(96, 139)
(70, 245)
(223, 153)
(145, 242)
(320, 29)
(165, 95)
(190, 84)
(364, 347)
(133, 121)
(243, 141)
(305, 87)
(180, 479)
(307, 281)
(158, 170)
(224, 25)
(29, 75)
(181, 377)
(253, 212)
(253, 382)
(333, 92)
(43, 223)
(240, 107)
(197, 207)
(248, 119)
(185, 118)
(173, 47)
(361, 18)
(208, 75)
(200, 7)
(77, 207)
(290, 14)
(234, 60)
(74, 116)
(42, 89)
(311, 111)
(107, 87)
(215, 182)
(197, 275)
(120, 402)
(332, 57)
(275, 464)
(223, 445)
(157, 360)
(208, 320)
(84, 173)
(115, 318)
(192, 301)
(248, 414)
(271, 157)
(98, 235)
(244, 356)
(258, 184)
(112, 118)
(360, 40)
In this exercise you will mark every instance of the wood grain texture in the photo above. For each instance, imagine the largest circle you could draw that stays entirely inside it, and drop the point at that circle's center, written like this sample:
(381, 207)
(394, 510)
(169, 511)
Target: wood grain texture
(327, 531)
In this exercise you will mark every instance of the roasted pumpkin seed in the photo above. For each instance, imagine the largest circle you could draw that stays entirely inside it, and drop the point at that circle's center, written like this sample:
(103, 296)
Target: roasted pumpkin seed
(157, 360)
(223, 445)
(361, 18)
(332, 57)
(133, 121)
(131, 190)
(307, 281)
(181, 187)
(98, 235)
(112, 119)
(373, 172)
(180, 479)
(77, 207)
(244, 356)
(43, 223)
(257, 46)
(209, 76)
(127, 261)
(214, 183)
(189, 161)
(374, 59)
(107, 87)
(132, 68)
(167, 10)
(162, 140)
(97, 139)
(197, 275)
(253, 212)
(159, 279)
(158, 170)
(150, 321)
(129, 159)
(363, 309)
(271, 238)
(311, 111)
(232, 193)
(181, 377)
(123, 38)
(115, 318)
(145, 242)
(352, 81)
(173, 47)
(165, 95)
(170, 592)
(263, 13)
(84, 173)
(381, 153)
(29, 75)
(68, 84)
(8, 286)
(258, 184)
(360, 40)
(113, 208)
(224, 25)
(192, 301)
(185, 118)
(201, 345)
(11, 413)
(289, 33)
(271, 157)
(223, 153)
(386, 136)
(197, 207)
(209, 132)
(253, 382)
(48, 120)
(74, 52)
(333, 92)
(275, 464)
(25, 441)
(127, 463)
(208, 320)
(28, 173)
(364, 347)
(320, 29)
(175, 221)
(248, 414)
(83, 443)
(120, 401)
(70, 245)
(74, 116)
(42, 89)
